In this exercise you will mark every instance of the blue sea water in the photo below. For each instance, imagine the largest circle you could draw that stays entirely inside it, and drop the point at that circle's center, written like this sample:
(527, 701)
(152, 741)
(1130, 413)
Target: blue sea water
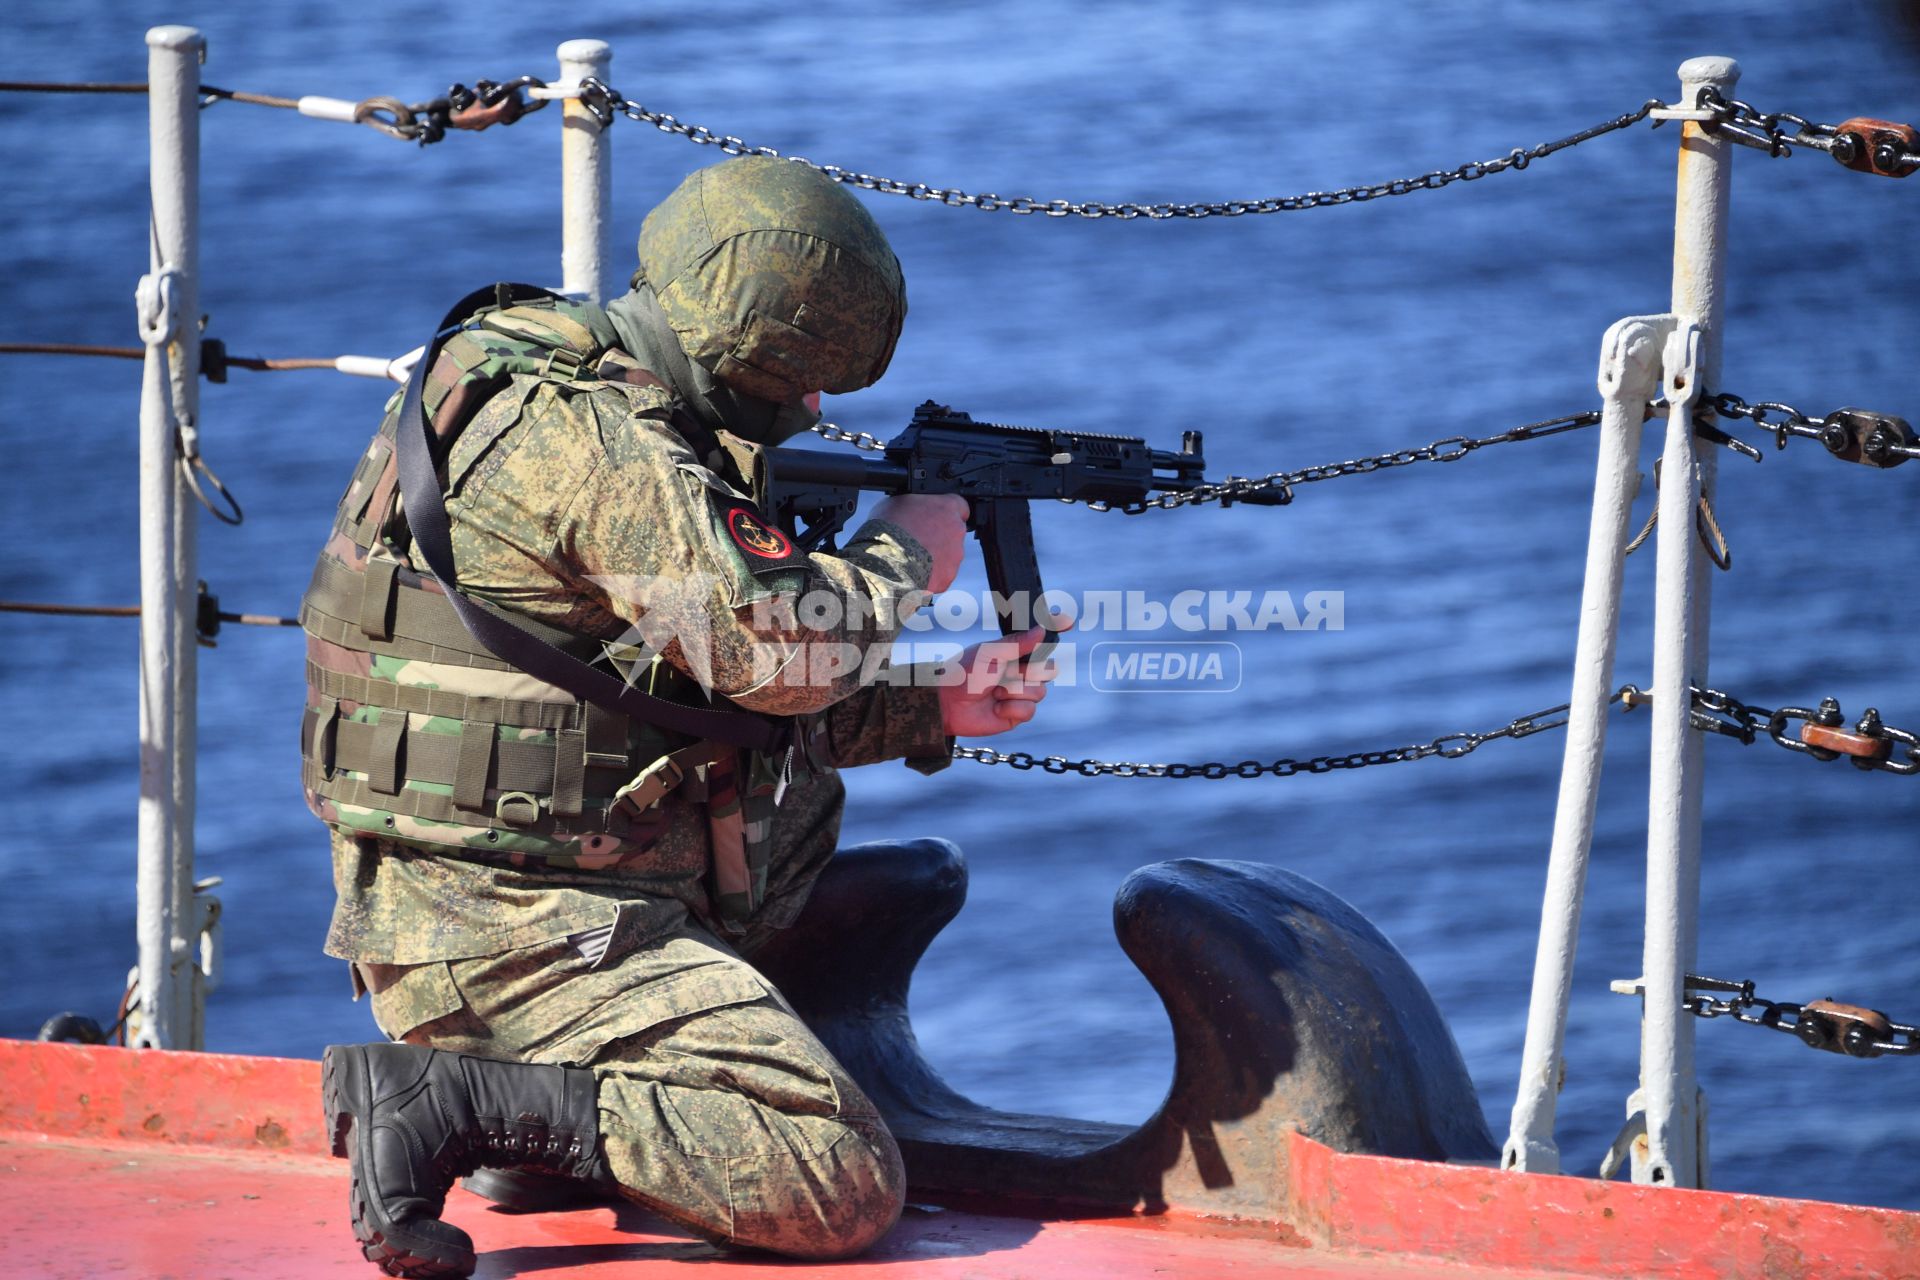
(1291, 339)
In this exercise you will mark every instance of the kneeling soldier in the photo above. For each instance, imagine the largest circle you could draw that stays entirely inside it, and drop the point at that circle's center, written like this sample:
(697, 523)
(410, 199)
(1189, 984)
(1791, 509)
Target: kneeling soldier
(554, 902)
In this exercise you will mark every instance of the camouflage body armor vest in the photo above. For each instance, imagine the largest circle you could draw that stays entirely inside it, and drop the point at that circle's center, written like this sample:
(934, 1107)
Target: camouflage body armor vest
(414, 731)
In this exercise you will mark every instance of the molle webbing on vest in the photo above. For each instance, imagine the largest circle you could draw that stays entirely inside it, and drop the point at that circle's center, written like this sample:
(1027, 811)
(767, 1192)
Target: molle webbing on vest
(389, 753)
(370, 691)
(511, 812)
(377, 609)
(475, 764)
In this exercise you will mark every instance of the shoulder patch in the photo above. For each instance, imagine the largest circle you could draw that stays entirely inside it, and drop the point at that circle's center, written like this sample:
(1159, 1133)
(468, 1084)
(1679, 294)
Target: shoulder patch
(765, 547)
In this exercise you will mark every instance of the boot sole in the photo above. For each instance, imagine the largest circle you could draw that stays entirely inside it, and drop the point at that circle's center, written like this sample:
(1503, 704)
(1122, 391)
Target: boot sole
(389, 1245)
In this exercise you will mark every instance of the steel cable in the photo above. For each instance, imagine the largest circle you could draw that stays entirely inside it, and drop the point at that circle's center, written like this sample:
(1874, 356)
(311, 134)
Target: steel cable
(133, 611)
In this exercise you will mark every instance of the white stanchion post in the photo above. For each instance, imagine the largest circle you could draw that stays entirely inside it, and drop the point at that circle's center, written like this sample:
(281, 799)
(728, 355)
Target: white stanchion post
(586, 175)
(1629, 379)
(169, 1010)
(1674, 1152)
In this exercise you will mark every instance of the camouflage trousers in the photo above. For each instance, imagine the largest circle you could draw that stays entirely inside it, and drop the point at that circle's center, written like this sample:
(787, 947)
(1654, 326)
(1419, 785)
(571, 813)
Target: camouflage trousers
(718, 1108)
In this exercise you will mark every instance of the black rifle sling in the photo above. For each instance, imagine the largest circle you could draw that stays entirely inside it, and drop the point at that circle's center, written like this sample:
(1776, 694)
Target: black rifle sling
(426, 514)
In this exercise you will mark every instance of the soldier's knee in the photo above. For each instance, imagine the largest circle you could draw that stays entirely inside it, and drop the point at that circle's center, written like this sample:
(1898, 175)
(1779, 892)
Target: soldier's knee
(837, 1206)
(882, 1190)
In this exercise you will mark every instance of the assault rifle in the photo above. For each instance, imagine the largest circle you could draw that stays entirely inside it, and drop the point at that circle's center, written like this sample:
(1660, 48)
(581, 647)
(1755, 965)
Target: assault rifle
(998, 470)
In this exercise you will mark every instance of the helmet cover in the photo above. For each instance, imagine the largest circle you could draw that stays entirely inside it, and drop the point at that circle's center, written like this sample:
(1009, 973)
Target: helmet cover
(775, 279)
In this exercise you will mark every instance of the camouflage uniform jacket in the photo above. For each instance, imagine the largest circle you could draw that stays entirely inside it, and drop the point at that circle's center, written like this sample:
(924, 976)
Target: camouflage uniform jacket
(576, 504)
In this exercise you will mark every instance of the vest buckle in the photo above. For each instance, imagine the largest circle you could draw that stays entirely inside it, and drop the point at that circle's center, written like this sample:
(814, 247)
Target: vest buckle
(649, 785)
(517, 808)
(562, 364)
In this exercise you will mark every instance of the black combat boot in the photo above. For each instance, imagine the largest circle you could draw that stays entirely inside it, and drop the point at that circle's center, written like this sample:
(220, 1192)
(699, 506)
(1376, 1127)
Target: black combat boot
(411, 1120)
(522, 1191)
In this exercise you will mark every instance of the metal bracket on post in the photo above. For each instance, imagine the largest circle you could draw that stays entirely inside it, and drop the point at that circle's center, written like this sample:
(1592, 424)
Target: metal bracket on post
(1631, 1142)
(1632, 1137)
(157, 306)
(206, 928)
(1629, 377)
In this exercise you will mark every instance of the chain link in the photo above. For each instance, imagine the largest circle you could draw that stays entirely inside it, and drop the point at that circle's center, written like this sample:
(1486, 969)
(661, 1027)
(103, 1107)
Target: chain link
(1884, 444)
(1449, 746)
(1768, 131)
(1820, 1024)
(1280, 484)
(1824, 736)
(1869, 744)
(1747, 125)
(1792, 422)
(487, 103)
(605, 102)
(840, 435)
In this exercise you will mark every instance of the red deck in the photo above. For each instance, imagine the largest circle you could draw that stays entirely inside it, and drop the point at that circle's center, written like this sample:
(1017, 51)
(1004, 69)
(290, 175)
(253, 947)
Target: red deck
(124, 1163)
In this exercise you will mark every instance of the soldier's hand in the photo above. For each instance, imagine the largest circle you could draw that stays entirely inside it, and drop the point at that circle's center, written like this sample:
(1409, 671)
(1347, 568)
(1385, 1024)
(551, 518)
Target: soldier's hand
(938, 521)
(999, 690)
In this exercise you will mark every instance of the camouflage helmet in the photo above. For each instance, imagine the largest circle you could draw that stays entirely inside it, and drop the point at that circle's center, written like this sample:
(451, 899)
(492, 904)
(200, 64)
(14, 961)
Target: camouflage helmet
(775, 279)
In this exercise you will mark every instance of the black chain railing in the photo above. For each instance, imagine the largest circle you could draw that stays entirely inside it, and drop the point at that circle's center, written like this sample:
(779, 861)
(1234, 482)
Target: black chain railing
(1870, 744)
(606, 103)
(1852, 435)
(1884, 147)
(1278, 486)
(1868, 145)
(1449, 746)
(1855, 435)
(1819, 1024)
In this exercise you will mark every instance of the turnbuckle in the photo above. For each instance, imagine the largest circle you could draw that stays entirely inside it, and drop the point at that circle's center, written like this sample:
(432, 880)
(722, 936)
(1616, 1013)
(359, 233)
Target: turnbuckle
(1885, 147)
(1863, 436)
(490, 103)
(1824, 736)
(1827, 1025)
(1847, 1029)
